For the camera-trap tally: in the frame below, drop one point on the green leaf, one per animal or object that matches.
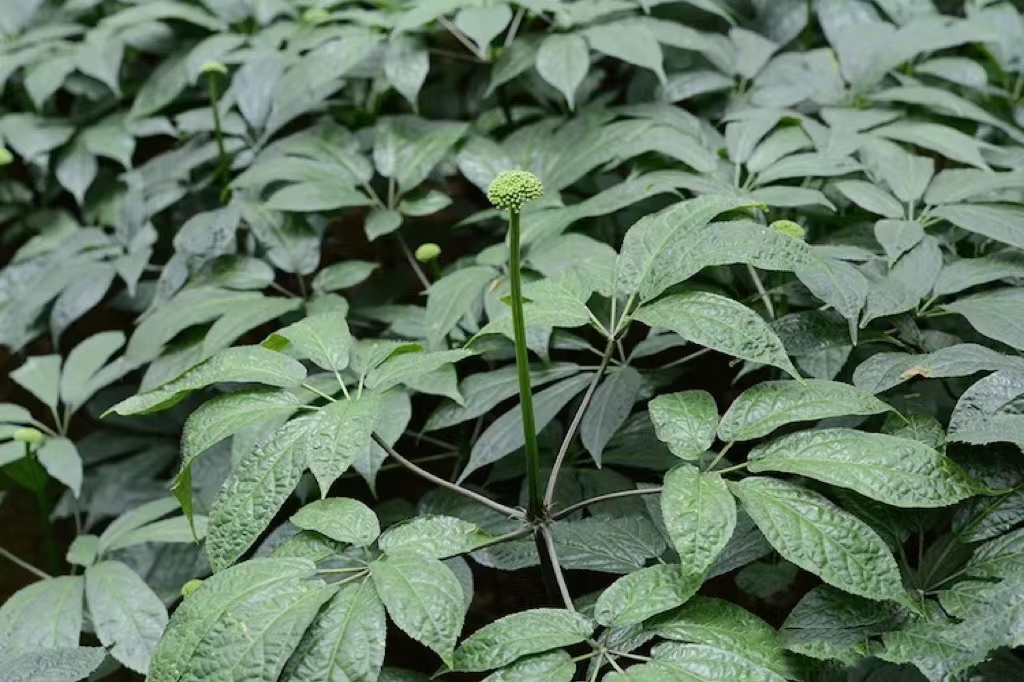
(483, 24)
(62, 664)
(696, 660)
(15, 414)
(765, 407)
(723, 625)
(250, 364)
(883, 371)
(556, 666)
(256, 633)
(685, 421)
(655, 246)
(699, 515)
(505, 434)
(81, 376)
(322, 339)
(607, 544)
(256, 490)
(135, 519)
(965, 273)
(898, 236)
(954, 185)
(944, 140)
(224, 416)
(410, 366)
(217, 605)
(437, 537)
(719, 323)
(610, 406)
(45, 615)
(830, 624)
(453, 297)
(638, 596)
(423, 598)
(998, 222)
(177, 529)
(345, 641)
(897, 471)
(406, 65)
(408, 148)
(484, 391)
(630, 41)
(382, 221)
(906, 174)
(871, 198)
(40, 376)
(320, 193)
(997, 314)
(339, 433)
(341, 519)
(60, 458)
(563, 61)
(987, 411)
(521, 634)
(816, 535)
(125, 612)
(343, 275)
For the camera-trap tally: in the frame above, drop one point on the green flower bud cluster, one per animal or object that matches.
(511, 190)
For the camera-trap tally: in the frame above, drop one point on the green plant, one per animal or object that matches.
(298, 361)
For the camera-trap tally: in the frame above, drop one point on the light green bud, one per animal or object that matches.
(28, 435)
(511, 190)
(5, 156)
(189, 588)
(789, 228)
(315, 15)
(213, 67)
(427, 252)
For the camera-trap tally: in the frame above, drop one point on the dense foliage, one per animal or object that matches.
(726, 384)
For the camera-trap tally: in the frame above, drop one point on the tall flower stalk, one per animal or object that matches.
(510, 191)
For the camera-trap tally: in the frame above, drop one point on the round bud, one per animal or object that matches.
(5, 156)
(427, 252)
(789, 228)
(28, 435)
(213, 67)
(315, 15)
(511, 190)
(189, 588)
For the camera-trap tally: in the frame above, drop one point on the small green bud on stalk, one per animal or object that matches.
(6, 158)
(789, 228)
(213, 67)
(28, 435)
(427, 252)
(189, 588)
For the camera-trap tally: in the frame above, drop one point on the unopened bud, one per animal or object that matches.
(427, 252)
(511, 190)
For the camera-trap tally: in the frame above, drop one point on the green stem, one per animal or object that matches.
(49, 541)
(535, 508)
(222, 157)
(24, 564)
(562, 513)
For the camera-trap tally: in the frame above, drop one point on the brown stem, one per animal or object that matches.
(437, 480)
